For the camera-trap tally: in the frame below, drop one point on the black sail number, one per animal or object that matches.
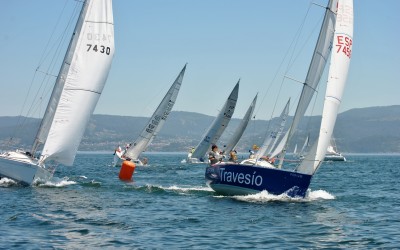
(98, 48)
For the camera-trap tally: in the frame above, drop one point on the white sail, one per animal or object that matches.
(316, 68)
(305, 145)
(157, 120)
(80, 82)
(274, 133)
(338, 70)
(241, 128)
(218, 126)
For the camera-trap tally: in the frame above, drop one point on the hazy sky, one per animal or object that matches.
(221, 40)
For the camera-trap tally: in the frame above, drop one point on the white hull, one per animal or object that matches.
(21, 168)
(117, 162)
(191, 160)
(334, 157)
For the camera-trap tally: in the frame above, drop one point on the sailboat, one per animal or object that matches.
(216, 129)
(240, 129)
(153, 126)
(77, 89)
(263, 155)
(243, 179)
(332, 153)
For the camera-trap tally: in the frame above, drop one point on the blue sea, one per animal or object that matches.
(350, 205)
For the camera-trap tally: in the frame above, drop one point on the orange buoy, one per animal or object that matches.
(127, 170)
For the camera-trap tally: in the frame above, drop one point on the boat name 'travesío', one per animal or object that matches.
(248, 179)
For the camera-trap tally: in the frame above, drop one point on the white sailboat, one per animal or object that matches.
(336, 36)
(152, 127)
(332, 153)
(234, 139)
(216, 129)
(263, 155)
(75, 94)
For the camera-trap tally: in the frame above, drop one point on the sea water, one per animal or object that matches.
(350, 205)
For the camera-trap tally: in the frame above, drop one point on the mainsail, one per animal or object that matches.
(216, 129)
(315, 70)
(79, 84)
(157, 120)
(241, 128)
(337, 76)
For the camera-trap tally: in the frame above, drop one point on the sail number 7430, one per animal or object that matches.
(100, 48)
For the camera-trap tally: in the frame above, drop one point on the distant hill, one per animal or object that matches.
(364, 130)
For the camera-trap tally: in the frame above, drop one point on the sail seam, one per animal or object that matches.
(88, 90)
(98, 22)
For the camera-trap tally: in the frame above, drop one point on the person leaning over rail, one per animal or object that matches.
(214, 156)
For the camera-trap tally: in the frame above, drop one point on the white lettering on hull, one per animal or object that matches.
(248, 179)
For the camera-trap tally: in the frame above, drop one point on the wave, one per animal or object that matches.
(174, 188)
(56, 182)
(264, 196)
(188, 189)
(5, 182)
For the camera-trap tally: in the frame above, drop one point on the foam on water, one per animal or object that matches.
(56, 182)
(188, 189)
(5, 182)
(264, 196)
(320, 195)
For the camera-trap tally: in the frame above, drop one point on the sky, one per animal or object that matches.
(221, 40)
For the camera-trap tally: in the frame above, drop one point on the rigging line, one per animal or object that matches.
(292, 45)
(62, 41)
(46, 79)
(44, 54)
(317, 25)
(312, 110)
(21, 124)
(292, 49)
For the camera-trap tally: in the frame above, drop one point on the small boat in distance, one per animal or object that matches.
(77, 89)
(153, 126)
(335, 37)
(332, 153)
(214, 132)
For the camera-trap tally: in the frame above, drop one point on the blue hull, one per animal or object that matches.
(240, 179)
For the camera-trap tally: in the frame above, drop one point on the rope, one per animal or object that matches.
(38, 99)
